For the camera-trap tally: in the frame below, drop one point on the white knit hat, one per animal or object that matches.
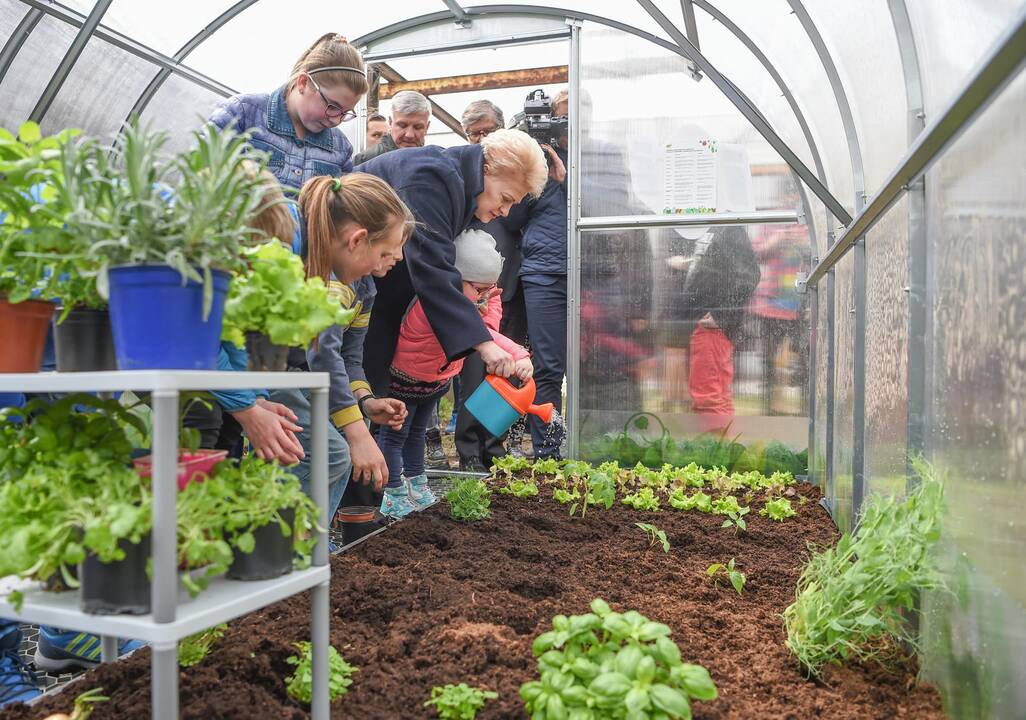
(476, 257)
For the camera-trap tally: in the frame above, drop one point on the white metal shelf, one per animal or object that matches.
(222, 601)
(158, 380)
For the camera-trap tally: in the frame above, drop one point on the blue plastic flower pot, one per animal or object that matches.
(158, 321)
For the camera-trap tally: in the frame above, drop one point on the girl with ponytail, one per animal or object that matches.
(350, 228)
(297, 124)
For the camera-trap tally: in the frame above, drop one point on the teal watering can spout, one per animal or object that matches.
(497, 404)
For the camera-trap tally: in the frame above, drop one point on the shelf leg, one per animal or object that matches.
(320, 617)
(108, 648)
(164, 681)
(165, 495)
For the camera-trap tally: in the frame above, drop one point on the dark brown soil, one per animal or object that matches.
(433, 601)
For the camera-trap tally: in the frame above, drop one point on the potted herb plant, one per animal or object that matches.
(28, 164)
(168, 247)
(273, 306)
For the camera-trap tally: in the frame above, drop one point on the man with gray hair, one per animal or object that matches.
(481, 118)
(408, 123)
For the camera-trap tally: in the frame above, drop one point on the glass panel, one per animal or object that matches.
(976, 224)
(179, 107)
(100, 91)
(844, 393)
(952, 36)
(887, 352)
(872, 80)
(32, 69)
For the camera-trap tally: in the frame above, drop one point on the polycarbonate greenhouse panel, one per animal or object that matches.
(476, 61)
(256, 51)
(179, 108)
(844, 392)
(974, 635)
(860, 37)
(822, 403)
(32, 69)
(162, 27)
(887, 305)
(617, 70)
(952, 36)
(99, 92)
(777, 32)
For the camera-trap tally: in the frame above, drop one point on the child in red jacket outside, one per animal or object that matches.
(421, 373)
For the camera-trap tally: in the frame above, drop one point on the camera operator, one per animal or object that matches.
(543, 265)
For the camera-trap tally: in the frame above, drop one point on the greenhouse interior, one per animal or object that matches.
(734, 349)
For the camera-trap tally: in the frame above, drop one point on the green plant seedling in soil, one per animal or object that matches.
(547, 468)
(508, 466)
(655, 535)
(299, 685)
(861, 591)
(698, 501)
(599, 489)
(469, 500)
(606, 664)
(737, 520)
(779, 509)
(736, 577)
(84, 706)
(726, 505)
(644, 499)
(520, 488)
(194, 648)
(459, 702)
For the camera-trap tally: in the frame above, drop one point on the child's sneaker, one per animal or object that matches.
(17, 681)
(420, 492)
(396, 502)
(61, 650)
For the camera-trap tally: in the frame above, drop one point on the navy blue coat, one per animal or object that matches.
(544, 243)
(440, 186)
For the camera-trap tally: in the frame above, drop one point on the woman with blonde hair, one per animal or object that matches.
(446, 189)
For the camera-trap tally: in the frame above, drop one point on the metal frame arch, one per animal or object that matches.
(13, 45)
(183, 52)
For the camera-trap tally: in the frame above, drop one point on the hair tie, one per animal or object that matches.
(341, 38)
(336, 184)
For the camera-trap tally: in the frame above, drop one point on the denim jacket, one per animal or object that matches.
(292, 161)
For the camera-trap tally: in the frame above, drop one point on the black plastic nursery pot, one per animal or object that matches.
(84, 342)
(118, 588)
(272, 554)
(358, 522)
(264, 355)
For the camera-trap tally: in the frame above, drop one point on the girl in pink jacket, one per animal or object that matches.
(421, 373)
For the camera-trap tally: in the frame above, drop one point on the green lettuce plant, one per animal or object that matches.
(459, 702)
(644, 499)
(469, 500)
(779, 509)
(299, 685)
(273, 296)
(606, 664)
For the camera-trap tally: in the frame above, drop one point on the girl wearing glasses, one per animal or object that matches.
(421, 372)
(297, 124)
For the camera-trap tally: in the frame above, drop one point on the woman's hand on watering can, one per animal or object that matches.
(497, 361)
(368, 462)
(386, 411)
(524, 369)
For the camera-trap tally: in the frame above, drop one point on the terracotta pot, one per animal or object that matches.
(23, 327)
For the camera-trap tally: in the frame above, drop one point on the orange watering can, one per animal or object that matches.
(497, 404)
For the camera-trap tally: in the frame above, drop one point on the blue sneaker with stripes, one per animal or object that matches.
(62, 650)
(17, 682)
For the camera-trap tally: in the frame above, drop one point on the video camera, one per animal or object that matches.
(537, 121)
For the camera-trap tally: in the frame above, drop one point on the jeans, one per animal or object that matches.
(545, 299)
(340, 465)
(404, 449)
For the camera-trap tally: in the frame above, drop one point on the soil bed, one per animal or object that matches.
(433, 601)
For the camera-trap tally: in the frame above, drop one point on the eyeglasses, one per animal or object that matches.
(481, 288)
(478, 134)
(332, 110)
